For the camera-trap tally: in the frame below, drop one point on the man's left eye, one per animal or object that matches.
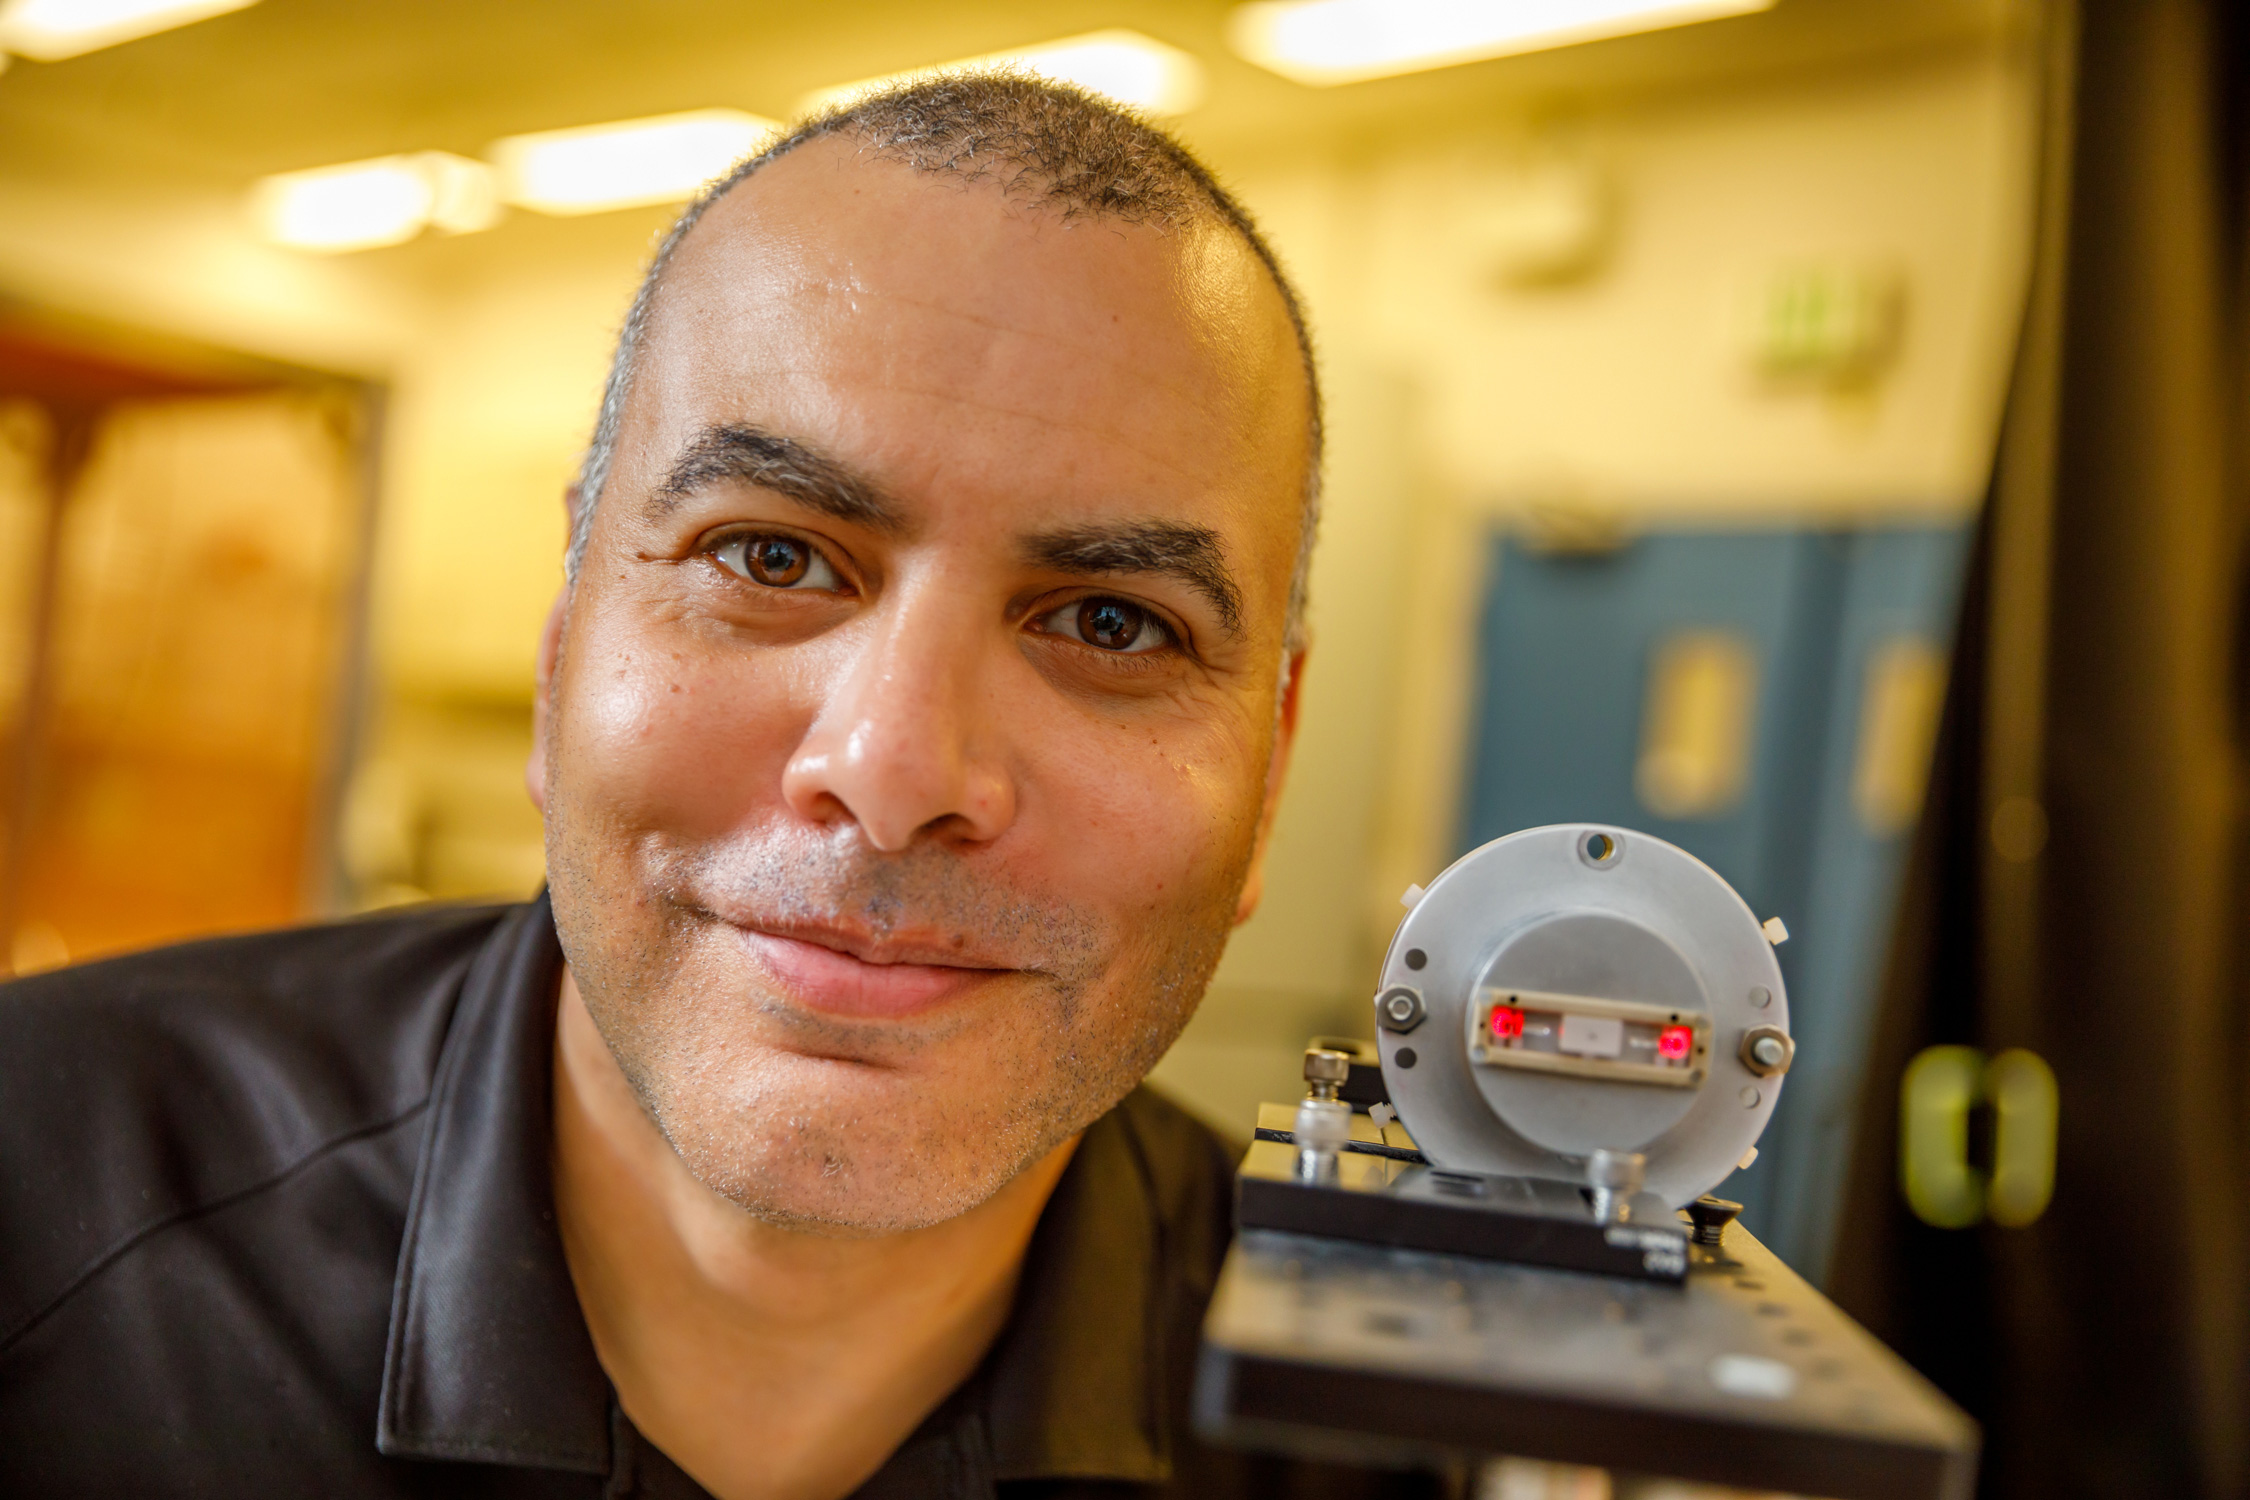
(1110, 624)
(778, 562)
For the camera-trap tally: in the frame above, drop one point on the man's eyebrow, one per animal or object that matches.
(751, 455)
(1192, 554)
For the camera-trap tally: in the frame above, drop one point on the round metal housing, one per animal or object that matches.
(1585, 988)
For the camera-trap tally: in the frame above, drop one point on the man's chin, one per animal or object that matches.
(837, 1146)
(871, 1185)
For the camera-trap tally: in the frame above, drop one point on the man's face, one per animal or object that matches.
(920, 703)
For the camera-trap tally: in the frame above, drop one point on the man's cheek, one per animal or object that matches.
(1152, 822)
(686, 745)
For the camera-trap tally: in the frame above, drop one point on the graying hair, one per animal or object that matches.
(1056, 146)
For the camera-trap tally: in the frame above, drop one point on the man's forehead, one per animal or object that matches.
(832, 232)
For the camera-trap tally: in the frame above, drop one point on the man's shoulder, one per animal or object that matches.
(349, 1013)
(1187, 1169)
(149, 1087)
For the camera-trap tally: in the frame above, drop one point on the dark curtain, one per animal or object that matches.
(2077, 885)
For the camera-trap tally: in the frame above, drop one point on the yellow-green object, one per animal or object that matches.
(2027, 1105)
(1941, 1086)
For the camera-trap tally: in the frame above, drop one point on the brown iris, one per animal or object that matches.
(1111, 624)
(776, 561)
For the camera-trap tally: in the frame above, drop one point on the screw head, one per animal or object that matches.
(1400, 1009)
(1767, 1050)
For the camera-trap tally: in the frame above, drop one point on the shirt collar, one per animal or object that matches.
(489, 1359)
(1075, 1384)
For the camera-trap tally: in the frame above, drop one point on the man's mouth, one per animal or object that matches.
(845, 974)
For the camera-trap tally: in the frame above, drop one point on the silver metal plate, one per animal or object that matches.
(1647, 924)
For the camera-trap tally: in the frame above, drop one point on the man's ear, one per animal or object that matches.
(1277, 771)
(550, 653)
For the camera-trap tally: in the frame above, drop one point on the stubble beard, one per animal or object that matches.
(843, 1126)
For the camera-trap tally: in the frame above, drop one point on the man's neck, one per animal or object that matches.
(769, 1363)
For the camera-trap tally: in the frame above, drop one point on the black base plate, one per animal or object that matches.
(1522, 1219)
(1742, 1376)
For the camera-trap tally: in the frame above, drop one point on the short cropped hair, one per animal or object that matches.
(1055, 146)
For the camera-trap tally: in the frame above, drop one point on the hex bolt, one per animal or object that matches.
(1400, 1009)
(1767, 1051)
(1325, 1071)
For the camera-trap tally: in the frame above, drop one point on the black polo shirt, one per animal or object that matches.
(276, 1218)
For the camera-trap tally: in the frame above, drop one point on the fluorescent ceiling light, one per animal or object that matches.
(662, 159)
(1126, 66)
(1323, 42)
(363, 204)
(53, 29)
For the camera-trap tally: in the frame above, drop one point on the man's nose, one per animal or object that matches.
(906, 742)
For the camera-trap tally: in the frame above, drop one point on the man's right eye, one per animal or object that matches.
(777, 562)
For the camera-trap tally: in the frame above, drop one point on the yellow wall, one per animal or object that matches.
(490, 409)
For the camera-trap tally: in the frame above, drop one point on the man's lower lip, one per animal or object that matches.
(826, 980)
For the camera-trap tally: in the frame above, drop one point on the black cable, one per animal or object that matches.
(1366, 1148)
